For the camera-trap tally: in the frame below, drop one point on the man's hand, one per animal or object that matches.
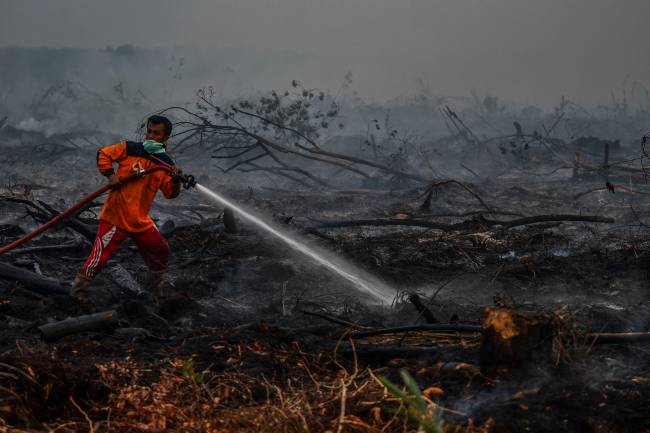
(176, 174)
(113, 179)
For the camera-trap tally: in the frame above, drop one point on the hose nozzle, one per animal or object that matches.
(188, 181)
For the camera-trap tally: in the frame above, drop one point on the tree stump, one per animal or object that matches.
(423, 310)
(516, 343)
(229, 221)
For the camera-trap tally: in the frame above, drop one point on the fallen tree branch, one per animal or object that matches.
(619, 337)
(45, 212)
(311, 151)
(463, 130)
(333, 319)
(72, 222)
(31, 280)
(597, 337)
(449, 327)
(551, 218)
(390, 352)
(611, 187)
(383, 222)
(589, 191)
(73, 244)
(468, 214)
(464, 224)
(462, 185)
(75, 325)
(613, 167)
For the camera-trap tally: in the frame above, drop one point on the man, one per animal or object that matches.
(125, 212)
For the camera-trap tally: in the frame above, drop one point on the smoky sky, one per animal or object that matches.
(525, 51)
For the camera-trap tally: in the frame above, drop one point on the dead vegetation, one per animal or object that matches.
(521, 299)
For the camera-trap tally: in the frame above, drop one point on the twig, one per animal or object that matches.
(470, 170)
(344, 393)
(461, 184)
(91, 426)
(621, 337)
(549, 218)
(333, 319)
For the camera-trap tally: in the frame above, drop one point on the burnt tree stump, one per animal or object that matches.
(423, 310)
(516, 343)
(229, 221)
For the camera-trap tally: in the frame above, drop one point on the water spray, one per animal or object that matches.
(366, 284)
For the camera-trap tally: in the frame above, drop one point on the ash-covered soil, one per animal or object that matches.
(238, 347)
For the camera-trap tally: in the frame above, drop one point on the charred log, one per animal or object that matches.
(464, 225)
(451, 327)
(229, 221)
(48, 248)
(75, 325)
(42, 212)
(423, 310)
(32, 280)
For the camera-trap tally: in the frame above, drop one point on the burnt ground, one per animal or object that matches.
(235, 351)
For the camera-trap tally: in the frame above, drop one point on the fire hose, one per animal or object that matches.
(186, 179)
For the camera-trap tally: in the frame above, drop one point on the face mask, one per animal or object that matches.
(152, 147)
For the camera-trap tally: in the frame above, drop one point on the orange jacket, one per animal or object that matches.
(127, 206)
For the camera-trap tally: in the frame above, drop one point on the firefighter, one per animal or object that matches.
(125, 211)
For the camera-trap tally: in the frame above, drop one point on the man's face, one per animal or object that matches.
(156, 132)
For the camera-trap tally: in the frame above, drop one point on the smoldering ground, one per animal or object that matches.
(516, 228)
(510, 196)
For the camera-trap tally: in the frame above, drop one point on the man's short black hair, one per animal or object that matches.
(161, 119)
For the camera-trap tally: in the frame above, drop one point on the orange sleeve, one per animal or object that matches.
(170, 188)
(106, 156)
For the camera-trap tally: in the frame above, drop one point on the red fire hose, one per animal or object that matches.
(79, 205)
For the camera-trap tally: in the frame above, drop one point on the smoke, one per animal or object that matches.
(530, 52)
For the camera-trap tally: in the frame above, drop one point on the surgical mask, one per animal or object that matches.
(152, 147)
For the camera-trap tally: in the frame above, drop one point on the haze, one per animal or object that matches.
(522, 51)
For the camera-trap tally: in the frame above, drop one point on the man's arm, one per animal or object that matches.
(171, 185)
(106, 156)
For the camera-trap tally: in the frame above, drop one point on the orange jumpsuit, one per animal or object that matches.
(125, 211)
(127, 207)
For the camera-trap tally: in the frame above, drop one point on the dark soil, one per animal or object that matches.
(237, 314)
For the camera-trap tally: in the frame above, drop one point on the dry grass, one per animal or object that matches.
(297, 392)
